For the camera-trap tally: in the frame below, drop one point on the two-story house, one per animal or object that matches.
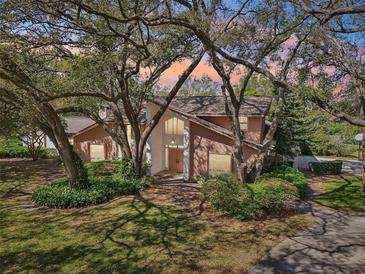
(193, 137)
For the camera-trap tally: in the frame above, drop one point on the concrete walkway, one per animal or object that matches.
(335, 245)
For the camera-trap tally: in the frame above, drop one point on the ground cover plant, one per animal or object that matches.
(106, 179)
(248, 201)
(130, 234)
(342, 194)
(101, 189)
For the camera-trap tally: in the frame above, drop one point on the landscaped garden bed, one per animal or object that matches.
(107, 179)
(271, 194)
(134, 234)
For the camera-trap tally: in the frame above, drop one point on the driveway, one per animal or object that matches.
(335, 245)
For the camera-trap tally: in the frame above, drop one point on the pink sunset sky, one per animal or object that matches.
(170, 76)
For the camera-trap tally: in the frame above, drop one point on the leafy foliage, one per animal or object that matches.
(60, 195)
(15, 149)
(289, 174)
(124, 168)
(243, 201)
(327, 168)
(304, 129)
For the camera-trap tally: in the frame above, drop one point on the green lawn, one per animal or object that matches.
(126, 235)
(344, 194)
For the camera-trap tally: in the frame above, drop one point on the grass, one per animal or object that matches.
(344, 194)
(127, 235)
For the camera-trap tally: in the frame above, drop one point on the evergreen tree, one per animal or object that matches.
(295, 128)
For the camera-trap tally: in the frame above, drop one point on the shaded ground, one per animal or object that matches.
(342, 194)
(337, 244)
(156, 232)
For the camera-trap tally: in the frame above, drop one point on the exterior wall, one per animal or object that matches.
(155, 149)
(204, 141)
(156, 154)
(94, 136)
(255, 126)
(222, 121)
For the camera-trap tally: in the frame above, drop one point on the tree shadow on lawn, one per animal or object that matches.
(344, 194)
(128, 235)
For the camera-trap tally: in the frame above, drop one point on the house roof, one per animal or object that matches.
(76, 124)
(215, 105)
(200, 121)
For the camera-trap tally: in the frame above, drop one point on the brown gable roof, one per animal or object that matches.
(76, 124)
(214, 105)
(196, 119)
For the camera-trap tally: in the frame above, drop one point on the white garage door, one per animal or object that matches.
(97, 152)
(219, 163)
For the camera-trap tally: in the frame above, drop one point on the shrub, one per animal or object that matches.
(124, 168)
(245, 201)
(289, 174)
(15, 149)
(60, 195)
(103, 168)
(327, 168)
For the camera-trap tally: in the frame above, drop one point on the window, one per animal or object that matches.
(219, 163)
(174, 126)
(243, 122)
(97, 152)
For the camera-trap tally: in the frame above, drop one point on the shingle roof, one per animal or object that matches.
(200, 121)
(214, 105)
(76, 124)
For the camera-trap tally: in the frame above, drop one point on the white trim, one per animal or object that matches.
(186, 150)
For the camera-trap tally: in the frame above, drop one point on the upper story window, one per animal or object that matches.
(243, 122)
(174, 126)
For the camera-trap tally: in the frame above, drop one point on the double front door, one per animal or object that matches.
(176, 159)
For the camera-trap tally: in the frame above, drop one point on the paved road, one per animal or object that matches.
(336, 245)
(352, 166)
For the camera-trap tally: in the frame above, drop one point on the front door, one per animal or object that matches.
(176, 158)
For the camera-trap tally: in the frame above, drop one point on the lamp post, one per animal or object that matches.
(359, 138)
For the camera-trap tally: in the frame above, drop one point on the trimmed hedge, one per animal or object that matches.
(60, 195)
(289, 174)
(327, 168)
(247, 201)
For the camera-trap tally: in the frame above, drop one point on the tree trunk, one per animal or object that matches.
(362, 101)
(257, 166)
(138, 150)
(76, 173)
(363, 160)
(238, 147)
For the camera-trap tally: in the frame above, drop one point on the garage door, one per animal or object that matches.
(219, 163)
(97, 152)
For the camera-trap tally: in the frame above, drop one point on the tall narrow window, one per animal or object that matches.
(243, 122)
(174, 126)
